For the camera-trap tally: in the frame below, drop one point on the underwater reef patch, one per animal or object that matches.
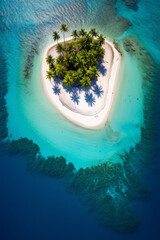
(118, 46)
(109, 2)
(107, 189)
(30, 59)
(107, 20)
(132, 4)
(3, 92)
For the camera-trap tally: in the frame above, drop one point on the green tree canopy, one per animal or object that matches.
(75, 34)
(64, 28)
(85, 42)
(85, 82)
(52, 67)
(56, 36)
(60, 59)
(93, 32)
(82, 32)
(77, 61)
(50, 59)
(59, 48)
(50, 74)
(60, 70)
(93, 72)
(69, 48)
(101, 39)
(68, 79)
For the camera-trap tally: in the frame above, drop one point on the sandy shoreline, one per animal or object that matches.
(94, 117)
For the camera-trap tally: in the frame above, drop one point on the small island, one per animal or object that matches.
(79, 76)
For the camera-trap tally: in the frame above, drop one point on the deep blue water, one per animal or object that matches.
(37, 207)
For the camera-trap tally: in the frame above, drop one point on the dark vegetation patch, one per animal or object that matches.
(107, 189)
(117, 46)
(109, 2)
(148, 146)
(132, 4)
(132, 46)
(53, 167)
(34, 50)
(93, 184)
(107, 20)
(3, 92)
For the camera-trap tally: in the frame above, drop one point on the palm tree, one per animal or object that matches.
(60, 60)
(50, 74)
(100, 52)
(82, 32)
(50, 59)
(64, 28)
(78, 62)
(69, 48)
(82, 44)
(101, 39)
(93, 33)
(91, 59)
(93, 72)
(56, 36)
(52, 67)
(68, 80)
(59, 48)
(60, 70)
(75, 76)
(85, 82)
(82, 71)
(75, 34)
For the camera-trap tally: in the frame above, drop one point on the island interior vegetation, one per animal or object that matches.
(78, 59)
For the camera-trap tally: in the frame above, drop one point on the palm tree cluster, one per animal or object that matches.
(78, 60)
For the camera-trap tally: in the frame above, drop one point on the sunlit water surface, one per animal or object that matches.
(26, 29)
(32, 116)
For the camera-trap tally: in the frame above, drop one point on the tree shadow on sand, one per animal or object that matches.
(74, 91)
(75, 97)
(56, 90)
(57, 81)
(102, 68)
(90, 99)
(98, 90)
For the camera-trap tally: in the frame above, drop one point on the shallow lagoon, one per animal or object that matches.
(39, 121)
(23, 32)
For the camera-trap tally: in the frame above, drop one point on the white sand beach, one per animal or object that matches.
(82, 114)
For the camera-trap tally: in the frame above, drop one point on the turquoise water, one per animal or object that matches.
(26, 29)
(145, 24)
(37, 120)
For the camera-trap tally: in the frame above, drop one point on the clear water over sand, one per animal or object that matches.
(27, 27)
(36, 119)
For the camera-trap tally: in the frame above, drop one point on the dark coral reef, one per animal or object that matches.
(107, 20)
(132, 4)
(3, 92)
(108, 189)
